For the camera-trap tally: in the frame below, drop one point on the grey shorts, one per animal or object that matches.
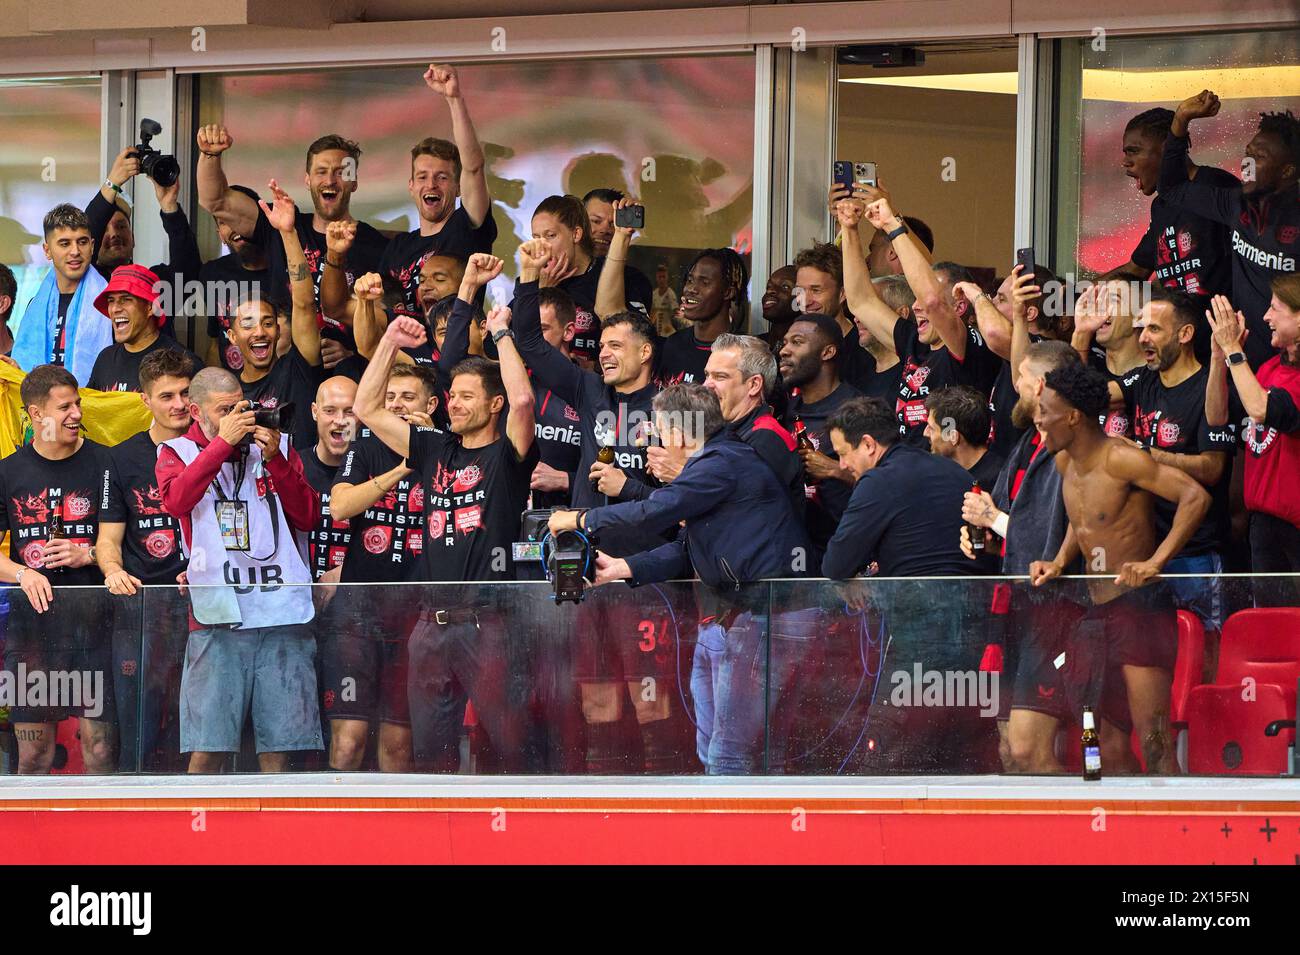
(272, 669)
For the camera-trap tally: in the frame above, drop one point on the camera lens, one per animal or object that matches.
(164, 170)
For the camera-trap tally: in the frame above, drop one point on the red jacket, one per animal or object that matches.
(183, 487)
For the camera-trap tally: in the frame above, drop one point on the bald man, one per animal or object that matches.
(336, 426)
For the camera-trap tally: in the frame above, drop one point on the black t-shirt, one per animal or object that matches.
(558, 431)
(474, 498)
(927, 370)
(986, 470)
(1117, 423)
(61, 328)
(387, 538)
(582, 289)
(1003, 435)
(364, 256)
(117, 369)
(33, 487)
(682, 358)
(827, 498)
(1185, 250)
(290, 379)
(226, 282)
(404, 257)
(1173, 420)
(151, 541)
(857, 366)
(882, 384)
(328, 543)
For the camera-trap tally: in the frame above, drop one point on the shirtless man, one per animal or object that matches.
(1110, 485)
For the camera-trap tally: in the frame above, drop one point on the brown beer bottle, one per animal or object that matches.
(1091, 744)
(605, 456)
(801, 435)
(978, 535)
(56, 531)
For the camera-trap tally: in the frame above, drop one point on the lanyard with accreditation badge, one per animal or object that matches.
(232, 513)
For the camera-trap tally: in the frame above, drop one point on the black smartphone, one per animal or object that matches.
(630, 217)
(1025, 259)
(865, 173)
(843, 173)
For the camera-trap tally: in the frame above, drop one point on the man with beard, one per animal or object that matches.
(778, 300)
(937, 349)
(1262, 212)
(1120, 658)
(441, 172)
(809, 365)
(267, 379)
(1165, 400)
(139, 543)
(376, 494)
(331, 178)
(131, 302)
(228, 280)
(1026, 511)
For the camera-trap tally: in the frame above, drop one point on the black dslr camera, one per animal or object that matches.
(279, 418)
(162, 169)
(568, 558)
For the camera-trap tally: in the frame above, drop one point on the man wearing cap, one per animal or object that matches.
(130, 300)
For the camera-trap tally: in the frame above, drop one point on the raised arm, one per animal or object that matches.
(859, 290)
(215, 195)
(1023, 288)
(993, 325)
(519, 390)
(480, 269)
(402, 332)
(283, 216)
(474, 195)
(1218, 203)
(369, 320)
(611, 291)
(334, 291)
(552, 369)
(1229, 336)
(920, 276)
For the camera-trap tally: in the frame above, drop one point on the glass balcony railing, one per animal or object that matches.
(794, 677)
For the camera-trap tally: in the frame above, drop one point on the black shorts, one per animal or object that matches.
(1041, 629)
(362, 636)
(64, 676)
(627, 634)
(1140, 629)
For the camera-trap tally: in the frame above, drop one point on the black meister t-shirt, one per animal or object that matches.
(1187, 251)
(474, 499)
(290, 379)
(387, 538)
(117, 369)
(328, 543)
(151, 542)
(405, 254)
(927, 370)
(682, 358)
(1173, 420)
(32, 487)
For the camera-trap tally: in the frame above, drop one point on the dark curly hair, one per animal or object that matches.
(1080, 387)
(1286, 128)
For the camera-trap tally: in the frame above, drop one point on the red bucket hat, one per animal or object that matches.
(138, 281)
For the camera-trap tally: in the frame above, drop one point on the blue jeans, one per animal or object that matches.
(736, 689)
(1203, 596)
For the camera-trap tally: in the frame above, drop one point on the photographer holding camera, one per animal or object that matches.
(270, 380)
(109, 216)
(245, 509)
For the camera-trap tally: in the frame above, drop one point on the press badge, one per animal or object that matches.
(232, 520)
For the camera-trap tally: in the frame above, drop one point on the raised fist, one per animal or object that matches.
(443, 79)
(405, 332)
(369, 287)
(213, 140)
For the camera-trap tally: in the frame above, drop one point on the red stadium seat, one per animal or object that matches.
(1259, 663)
(1187, 669)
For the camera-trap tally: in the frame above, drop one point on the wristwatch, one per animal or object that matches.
(1236, 358)
(502, 333)
(112, 185)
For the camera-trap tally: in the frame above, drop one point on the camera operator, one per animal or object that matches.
(139, 543)
(245, 512)
(475, 486)
(109, 217)
(267, 379)
(364, 631)
(739, 528)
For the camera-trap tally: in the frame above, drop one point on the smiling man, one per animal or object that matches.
(130, 300)
(714, 289)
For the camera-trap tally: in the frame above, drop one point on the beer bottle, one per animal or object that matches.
(1091, 747)
(605, 456)
(978, 535)
(56, 530)
(801, 435)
